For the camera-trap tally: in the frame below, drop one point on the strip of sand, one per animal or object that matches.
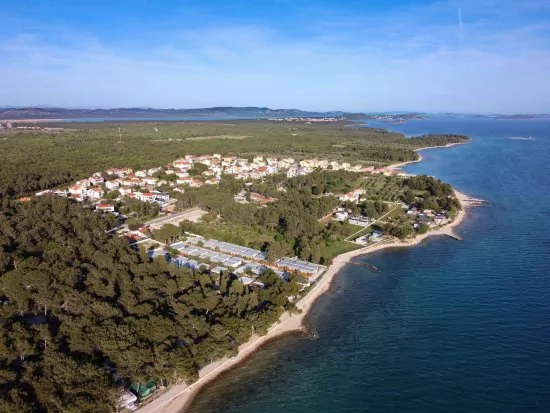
(401, 164)
(179, 397)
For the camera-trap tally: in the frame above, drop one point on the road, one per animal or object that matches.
(193, 214)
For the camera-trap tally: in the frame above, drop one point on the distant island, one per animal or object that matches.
(248, 112)
(252, 112)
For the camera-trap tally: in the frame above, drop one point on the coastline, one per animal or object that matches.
(178, 398)
(397, 166)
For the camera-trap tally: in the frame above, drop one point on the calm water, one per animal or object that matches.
(448, 326)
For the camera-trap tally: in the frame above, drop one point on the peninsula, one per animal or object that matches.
(171, 251)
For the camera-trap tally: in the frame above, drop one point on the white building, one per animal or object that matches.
(112, 185)
(360, 221)
(95, 193)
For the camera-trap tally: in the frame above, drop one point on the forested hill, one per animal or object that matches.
(83, 314)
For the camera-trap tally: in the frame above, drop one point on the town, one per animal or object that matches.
(193, 172)
(115, 186)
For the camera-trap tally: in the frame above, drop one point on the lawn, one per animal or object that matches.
(247, 236)
(365, 231)
(331, 251)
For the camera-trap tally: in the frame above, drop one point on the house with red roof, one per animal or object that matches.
(77, 190)
(105, 208)
(95, 193)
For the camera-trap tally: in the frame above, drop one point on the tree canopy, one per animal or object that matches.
(83, 313)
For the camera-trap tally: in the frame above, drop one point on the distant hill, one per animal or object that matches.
(215, 112)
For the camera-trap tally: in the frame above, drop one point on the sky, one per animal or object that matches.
(470, 56)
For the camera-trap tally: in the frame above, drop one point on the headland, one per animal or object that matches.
(179, 397)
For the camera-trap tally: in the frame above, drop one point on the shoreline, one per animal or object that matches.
(397, 166)
(179, 397)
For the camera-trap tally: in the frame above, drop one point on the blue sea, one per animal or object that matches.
(447, 326)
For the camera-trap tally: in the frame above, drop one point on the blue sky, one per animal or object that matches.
(355, 55)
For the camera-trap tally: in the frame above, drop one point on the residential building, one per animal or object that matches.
(105, 208)
(150, 180)
(96, 180)
(77, 190)
(341, 216)
(184, 181)
(95, 193)
(112, 185)
(293, 171)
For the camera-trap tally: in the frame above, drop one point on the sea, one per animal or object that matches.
(446, 326)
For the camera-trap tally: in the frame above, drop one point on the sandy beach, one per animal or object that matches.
(179, 397)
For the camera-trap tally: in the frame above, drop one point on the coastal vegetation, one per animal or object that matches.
(38, 160)
(84, 314)
(292, 224)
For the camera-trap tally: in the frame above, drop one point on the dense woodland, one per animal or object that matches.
(37, 160)
(83, 313)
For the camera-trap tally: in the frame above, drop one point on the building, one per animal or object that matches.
(105, 208)
(184, 181)
(96, 179)
(150, 180)
(60, 192)
(294, 264)
(352, 196)
(132, 181)
(360, 220)
(260, 199)
(112, 185)
(364, 240)
(77, 190)
(182, 164)
(376, 236)
(293, 171)
(95, 193)
(161, 197)
(195, 183)
(341, 216)
(120, 172)
(127, 401)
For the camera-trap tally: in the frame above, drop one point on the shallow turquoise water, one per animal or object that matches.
(448, 326)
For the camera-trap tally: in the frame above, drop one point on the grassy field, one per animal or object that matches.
(364, 231)
(222, 230)
(333, 250)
